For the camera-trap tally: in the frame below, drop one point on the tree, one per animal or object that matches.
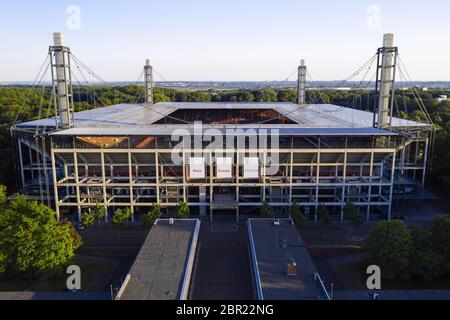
(287, 95)
(297, 215)
(389, 246)
(266, 95)
(324, 215)
(87, 219)
(31, 240)
(3, 262)
(182, 210)
(441, 238)
(246, 97)
(121, 217)
(180, 96)
(352, 211)
(77, 240)
(424, 260)
(2, 195)
(266, 210)
(99, 212)
(150, 217)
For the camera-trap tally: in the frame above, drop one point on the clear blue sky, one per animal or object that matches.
(226, 40)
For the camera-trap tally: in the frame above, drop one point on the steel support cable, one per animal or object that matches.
(159, 75)
(368, 64)
(92, 73)
(49, 107)
(405, 106)
(291, 112)
(370, 61)
(318, 90)
(87, 91)
(138, 93)
(359, 85)
(419, 102)
(160, 113)
(168, 115)
(80, 86)
(40, 105)
(34, 84)
(286, 80)
(163, 114)
(414, 90)
(405, 76)
(43, 151)
(88, 85)
(36, 136)
(97, 77)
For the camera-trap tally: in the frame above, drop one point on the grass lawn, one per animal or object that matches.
(95, 275)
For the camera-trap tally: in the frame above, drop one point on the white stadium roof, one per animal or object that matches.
(134, 119)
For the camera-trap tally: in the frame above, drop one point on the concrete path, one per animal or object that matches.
(222, 270)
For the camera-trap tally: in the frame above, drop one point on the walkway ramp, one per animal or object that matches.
(162, 270)
(275, 243)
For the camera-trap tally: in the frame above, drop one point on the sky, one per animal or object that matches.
(218, 40)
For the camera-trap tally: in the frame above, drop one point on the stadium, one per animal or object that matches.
(223, 159)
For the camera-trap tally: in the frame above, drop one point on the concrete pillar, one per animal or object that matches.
(148, 70)
(301, 89)
(61, 78)
(387, 81)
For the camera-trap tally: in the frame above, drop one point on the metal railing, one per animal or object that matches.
(259, 291)
(322, 286)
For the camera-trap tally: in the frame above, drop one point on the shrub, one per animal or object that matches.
(389, 246)
(121, 217)
(87, 219)
(266, 210)
(150, 217)
(99, 212)
(425, 261)
(182, 210)
(297, 215)
(352, 211)
(324, 215)
(441, 238)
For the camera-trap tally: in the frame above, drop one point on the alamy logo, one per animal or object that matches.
(373, 21)
(374, 280)
(74, 280)
(73, 21)
(224, 143)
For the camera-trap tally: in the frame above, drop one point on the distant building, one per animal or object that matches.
(442, 98)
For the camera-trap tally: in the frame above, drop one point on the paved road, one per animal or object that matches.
(222, 270)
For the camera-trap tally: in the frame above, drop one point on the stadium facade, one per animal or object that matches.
(222, 158)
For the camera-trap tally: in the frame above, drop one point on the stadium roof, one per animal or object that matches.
(311, 119)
